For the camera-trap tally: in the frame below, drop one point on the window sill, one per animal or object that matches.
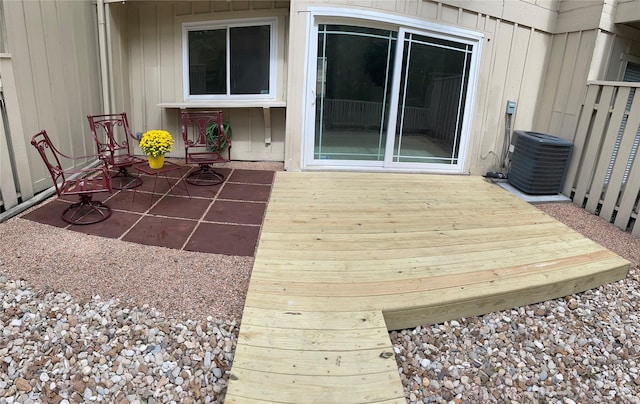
(225, 104)
(266, 106)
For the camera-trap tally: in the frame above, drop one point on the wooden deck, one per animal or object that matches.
(345, 257)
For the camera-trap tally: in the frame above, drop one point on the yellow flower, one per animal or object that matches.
(155, 143)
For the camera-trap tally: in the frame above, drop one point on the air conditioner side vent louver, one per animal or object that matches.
(538, 162)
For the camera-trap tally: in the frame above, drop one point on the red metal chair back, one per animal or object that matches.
(49, 154)
(80, 182)
(112, 134)
(200, 148)
(205, 142)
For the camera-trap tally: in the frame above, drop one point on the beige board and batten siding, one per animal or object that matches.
(512, 67)
(50, 79)
(587, 45)
(151, 66)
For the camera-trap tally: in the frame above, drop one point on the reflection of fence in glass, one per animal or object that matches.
(439, 120)
(444, 100)
(354, 114)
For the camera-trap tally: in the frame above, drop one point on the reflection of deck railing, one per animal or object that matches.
(368, 115)
(602, 176)
(440, 120)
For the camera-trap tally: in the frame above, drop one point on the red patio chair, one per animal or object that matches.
(82, 182)
(111, 133)
(205, 143)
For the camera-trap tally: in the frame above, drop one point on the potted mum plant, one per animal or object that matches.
(155, 144)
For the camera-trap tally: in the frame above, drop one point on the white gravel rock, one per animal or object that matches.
(57, 350)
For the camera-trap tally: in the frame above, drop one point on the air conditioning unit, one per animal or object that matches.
(538, 162)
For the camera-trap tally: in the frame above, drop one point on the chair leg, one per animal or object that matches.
(124, 180)
(205, 175)
(87, 211)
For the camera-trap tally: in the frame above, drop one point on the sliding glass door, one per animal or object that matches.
(353, 87)
(390, 98)
(431, 88)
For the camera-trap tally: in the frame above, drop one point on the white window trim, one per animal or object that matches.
(326, 15)
(219, 24)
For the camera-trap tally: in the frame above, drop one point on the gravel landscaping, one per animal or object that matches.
(86, 319)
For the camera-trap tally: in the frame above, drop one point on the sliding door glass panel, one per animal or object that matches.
(353, 85)
(433, 87)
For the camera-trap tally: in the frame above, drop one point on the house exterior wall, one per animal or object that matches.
(146, 52)
(49, 72)
(514, 56)
(587, 45)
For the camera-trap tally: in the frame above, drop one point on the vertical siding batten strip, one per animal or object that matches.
(19, 144)
(578, 78)
(8, 187)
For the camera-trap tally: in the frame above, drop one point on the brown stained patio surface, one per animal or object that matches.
(220, 219)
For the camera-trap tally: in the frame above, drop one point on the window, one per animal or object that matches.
(229, 59)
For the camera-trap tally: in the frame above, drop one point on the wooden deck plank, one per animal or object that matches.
(394, 286)
(437, 265)
(313, 338)
(344, 257)
(504, 298)
(395, 250)
(589, 273)
(296, 388)
(298, 357)
(433, 238)
(330, 321)
(233, 399)
(315, 363)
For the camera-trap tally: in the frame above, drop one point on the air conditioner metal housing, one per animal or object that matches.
(539, 162)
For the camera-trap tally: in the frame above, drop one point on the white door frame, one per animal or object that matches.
(402, 25)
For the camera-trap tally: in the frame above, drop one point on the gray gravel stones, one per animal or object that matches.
(55, 350)
(581, 349)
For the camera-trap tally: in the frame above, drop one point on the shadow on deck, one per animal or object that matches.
(345, 257)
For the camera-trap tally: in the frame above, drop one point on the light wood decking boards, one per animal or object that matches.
(344, 257)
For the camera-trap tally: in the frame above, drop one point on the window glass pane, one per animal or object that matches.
(353, 89)
(431, 104)
(250, 59)
(207, 62)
